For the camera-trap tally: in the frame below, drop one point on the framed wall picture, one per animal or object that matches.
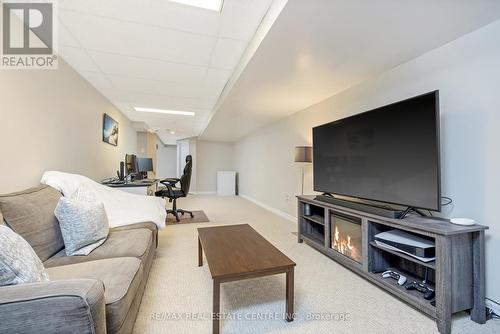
(109, 130)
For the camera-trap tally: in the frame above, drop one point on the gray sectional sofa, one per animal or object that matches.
(99, 293)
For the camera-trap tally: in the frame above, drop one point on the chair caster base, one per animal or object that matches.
(182, 212)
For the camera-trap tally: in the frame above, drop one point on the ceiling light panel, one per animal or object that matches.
(215, 5)
(164, 111)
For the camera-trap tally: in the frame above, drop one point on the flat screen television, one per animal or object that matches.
(389, 154)
(145, 165)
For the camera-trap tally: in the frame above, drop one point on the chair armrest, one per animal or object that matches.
(169, 183)
(172, 181)
(66, 306)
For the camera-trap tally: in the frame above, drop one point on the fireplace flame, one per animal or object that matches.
(351, 247)
(344, 245)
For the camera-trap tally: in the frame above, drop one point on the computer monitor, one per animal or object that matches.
(145, 164)
(131, 164)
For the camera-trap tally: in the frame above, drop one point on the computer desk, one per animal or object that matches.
(142, 187)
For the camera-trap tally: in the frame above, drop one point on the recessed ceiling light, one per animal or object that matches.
(163, 111)
(215, 5)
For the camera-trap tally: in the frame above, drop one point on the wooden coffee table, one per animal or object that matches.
(237, 252)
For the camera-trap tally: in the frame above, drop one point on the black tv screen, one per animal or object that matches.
(389, 154)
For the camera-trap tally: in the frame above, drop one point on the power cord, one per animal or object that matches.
(490, 314)
(448, 200)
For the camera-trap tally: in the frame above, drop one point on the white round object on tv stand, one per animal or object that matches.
(462, 221)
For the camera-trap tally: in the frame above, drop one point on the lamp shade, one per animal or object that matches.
(303, 154)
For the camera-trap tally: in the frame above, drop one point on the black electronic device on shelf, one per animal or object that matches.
(422, 287)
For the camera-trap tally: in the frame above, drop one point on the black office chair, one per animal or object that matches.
(173, 193)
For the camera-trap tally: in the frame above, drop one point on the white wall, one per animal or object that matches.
(52, 120)
(166, 165)
(467, 73)
(208, 158)
(212, 157)
(142, 144)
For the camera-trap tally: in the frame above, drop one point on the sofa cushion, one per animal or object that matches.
(121, 277)
(127, 243)
(149, 225)
(18, 261)
(30, 213)
(84, 225)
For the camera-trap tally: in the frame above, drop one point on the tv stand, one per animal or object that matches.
(456, 275)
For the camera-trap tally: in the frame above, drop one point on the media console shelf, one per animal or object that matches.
(457, 275)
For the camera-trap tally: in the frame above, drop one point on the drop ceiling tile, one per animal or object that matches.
(109, 35)
(89, 6)
(177, 16)
(162, 13)
(214, 82)
(123, 106)
(153, 100)
(98, 80)
(242, 18)
(134, 85)
(175, 123)
(148, 68)
(227, 53)
(78, 59)
(65, 37)
(206, 103)
(158, 54)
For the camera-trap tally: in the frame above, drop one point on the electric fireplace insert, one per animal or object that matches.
(346, 235)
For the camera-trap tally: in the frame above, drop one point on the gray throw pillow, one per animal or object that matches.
(18, 261)
(84, 225)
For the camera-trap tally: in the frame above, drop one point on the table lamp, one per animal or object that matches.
(303, 154)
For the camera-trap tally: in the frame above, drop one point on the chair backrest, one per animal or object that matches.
(186, 175)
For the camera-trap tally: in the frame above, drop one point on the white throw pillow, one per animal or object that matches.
(18, 261)
(84, 224)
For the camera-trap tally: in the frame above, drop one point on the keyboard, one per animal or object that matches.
(110, 181)
(147, 180)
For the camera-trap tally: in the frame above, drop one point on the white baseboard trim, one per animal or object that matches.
(203, 192)
(270, 208)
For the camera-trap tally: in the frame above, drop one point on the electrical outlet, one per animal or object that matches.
(287, 198)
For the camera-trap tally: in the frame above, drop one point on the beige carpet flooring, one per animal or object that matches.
(178, 296)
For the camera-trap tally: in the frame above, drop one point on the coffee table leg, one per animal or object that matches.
(216, 307)
(200, 254)
(289, 295)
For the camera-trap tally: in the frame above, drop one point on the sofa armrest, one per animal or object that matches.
(66, 306)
